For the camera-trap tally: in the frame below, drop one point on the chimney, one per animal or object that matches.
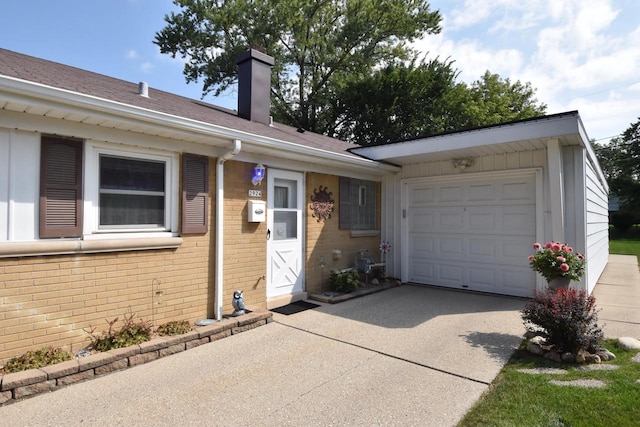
(254, 86)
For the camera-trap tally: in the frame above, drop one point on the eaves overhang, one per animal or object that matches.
(43, 100)
(512, 137)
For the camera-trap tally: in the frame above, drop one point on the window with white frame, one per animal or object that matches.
(91, 189)
(129, 190)
(132, 192)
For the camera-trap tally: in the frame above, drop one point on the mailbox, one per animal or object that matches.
(257, 211)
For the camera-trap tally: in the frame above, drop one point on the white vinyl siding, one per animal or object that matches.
(597, 227)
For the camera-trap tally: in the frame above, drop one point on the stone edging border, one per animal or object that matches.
(15, 386)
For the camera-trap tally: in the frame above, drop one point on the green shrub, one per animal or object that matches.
(343, 281)
(623, 220)
(37, 359)
(175, 327)
(130, 333)
(568, 319)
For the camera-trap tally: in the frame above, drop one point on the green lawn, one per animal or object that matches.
(518, 399)
(627, 243)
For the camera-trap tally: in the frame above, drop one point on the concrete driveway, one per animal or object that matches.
(406, 356)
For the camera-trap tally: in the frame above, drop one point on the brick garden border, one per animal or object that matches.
(15, 386)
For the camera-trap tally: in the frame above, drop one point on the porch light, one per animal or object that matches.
(462, 163)
(258, 174)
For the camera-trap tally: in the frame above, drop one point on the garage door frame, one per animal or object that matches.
(537, 173)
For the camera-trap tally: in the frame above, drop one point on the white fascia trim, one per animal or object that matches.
(565, 125)
(591, 155)
(164, 120)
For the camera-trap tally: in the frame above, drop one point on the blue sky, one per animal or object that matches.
(579, 54)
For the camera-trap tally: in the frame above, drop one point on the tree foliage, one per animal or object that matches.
(620, 161)
(404, 101)
(316, 45)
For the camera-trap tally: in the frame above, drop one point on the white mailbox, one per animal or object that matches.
(257, 211)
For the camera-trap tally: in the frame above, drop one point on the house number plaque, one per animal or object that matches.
(255, 193)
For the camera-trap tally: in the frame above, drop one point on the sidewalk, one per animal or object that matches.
(618, 297)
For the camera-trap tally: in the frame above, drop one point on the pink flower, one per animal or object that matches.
(548, 245)
(530, 258)
(556, 247)
(569, 249)
(564, 267)
(561, 259)
(537, 246)
(580, 257)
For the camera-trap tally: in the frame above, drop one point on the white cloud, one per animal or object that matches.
(132, 54)
(146, 67)
(578, 54)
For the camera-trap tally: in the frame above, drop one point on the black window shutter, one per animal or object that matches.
(345, 204)
(60, 187)
(195, 194)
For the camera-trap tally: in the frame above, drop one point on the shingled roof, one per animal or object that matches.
(60, 76)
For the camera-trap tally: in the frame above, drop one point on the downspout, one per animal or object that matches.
(237, 145)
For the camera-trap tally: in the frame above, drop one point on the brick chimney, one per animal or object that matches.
(254, 86)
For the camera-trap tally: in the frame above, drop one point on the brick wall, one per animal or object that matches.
(49, 300)
(245, 245)
(323, 237)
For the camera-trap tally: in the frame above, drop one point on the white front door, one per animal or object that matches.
(285, 263)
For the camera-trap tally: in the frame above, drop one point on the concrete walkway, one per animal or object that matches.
(618, 297)
(407, 356)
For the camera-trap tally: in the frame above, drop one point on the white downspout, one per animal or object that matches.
(237, 145)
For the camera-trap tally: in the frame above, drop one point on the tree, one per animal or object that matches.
(620, 161)
(316, 45)
(400, 101)
(405, 101)
(495, 100)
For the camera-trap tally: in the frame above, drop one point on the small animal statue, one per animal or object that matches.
(238, 304)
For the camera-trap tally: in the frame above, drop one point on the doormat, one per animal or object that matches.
(295, 307)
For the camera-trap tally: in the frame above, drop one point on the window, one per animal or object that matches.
(132, 193)
(357, 204)
(92, 190)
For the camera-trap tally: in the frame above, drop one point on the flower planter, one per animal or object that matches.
(559, 283)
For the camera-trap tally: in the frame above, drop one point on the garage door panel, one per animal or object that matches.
(451, 194)
(519, 219)
(420, 219)
(521, 190)
(475, 234)
(481, 192)
(481, 219)
(450, 247)
(453, 219)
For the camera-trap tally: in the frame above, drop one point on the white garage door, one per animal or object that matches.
(473, 234)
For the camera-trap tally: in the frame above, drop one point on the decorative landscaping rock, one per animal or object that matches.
(605, 355)
(553, 356)
(629, 343)
(592, 358)
(537, 345)
(636, 358)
